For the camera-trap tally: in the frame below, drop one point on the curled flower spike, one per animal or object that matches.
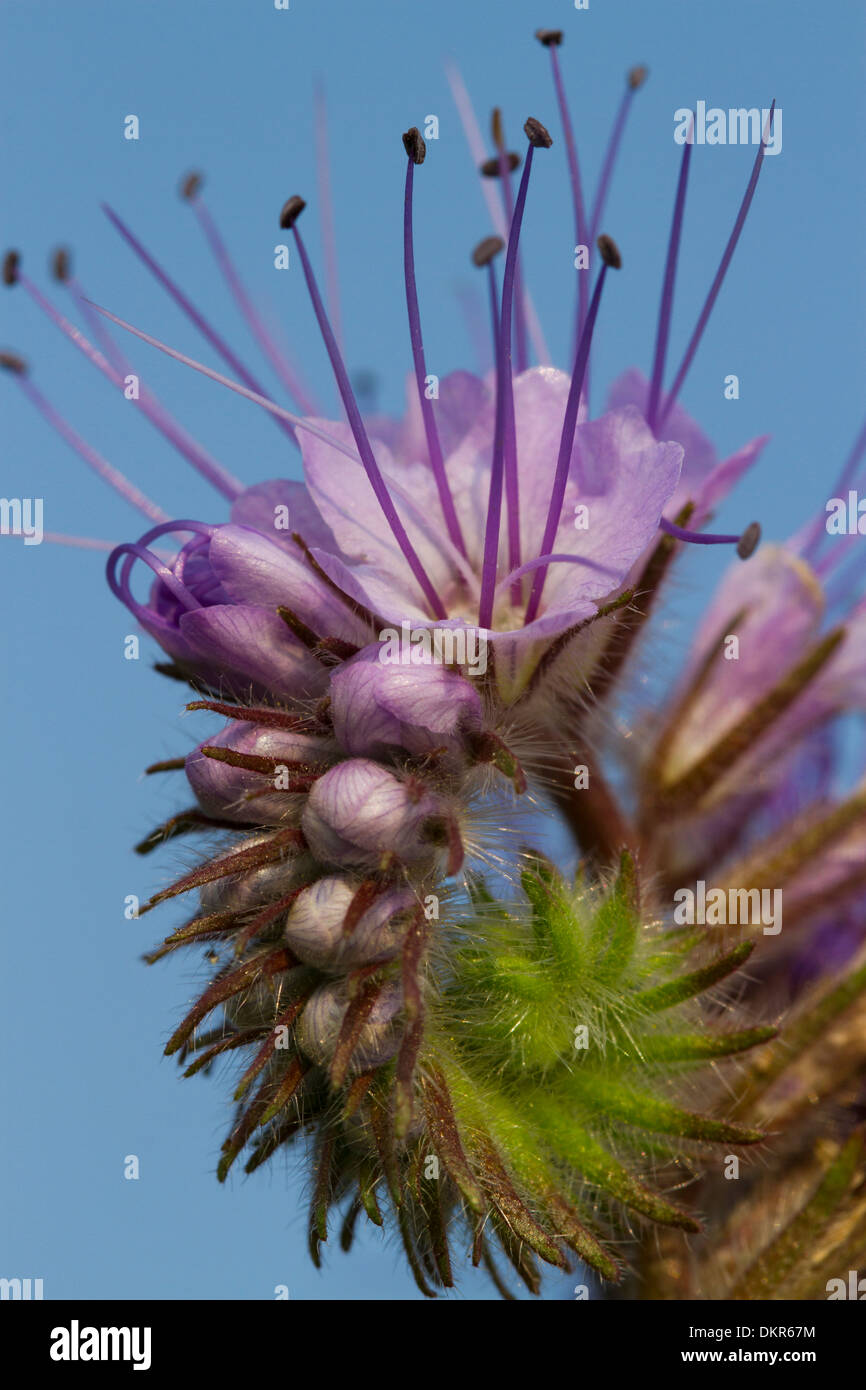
(408, 660)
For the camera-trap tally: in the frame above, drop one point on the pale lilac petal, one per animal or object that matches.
(257, 507)
(344, 496)
(253, 651)
(699, 454)
(256, 570)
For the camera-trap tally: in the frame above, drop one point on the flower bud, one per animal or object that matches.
(319, 1027)
(379, 706)
(315, 925)
(255, 887)
(229, 791)
(359, 814)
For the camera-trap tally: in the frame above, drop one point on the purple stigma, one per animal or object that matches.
(611, 259)
(140, 551)
(703, 318)
(416, 150)
(290, 214)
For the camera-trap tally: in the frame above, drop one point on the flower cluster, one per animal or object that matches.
(480, 1041)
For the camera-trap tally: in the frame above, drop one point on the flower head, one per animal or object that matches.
(417, 652)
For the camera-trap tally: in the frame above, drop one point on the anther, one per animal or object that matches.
(413, 144)
(609, 252)
(491, 169)
(487, 250)
(190, 186)
(11, 362)
(637, 76)
(61, 265)
(551, 38)
(749, 540)
(537, 135)
(292, 209)
(11, 262)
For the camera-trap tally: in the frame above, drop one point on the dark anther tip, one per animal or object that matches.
(637, 76)
(11, 362)
(609, 252)
(413, 144)
(490, 167)
(551, 38)
(292, 209)
(497, 129)
(11, 262)
(190, 186)
(61, 265)
(487, 249)
(749, 540)
(537, 134)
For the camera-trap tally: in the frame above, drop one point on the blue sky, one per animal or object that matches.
(227, 87)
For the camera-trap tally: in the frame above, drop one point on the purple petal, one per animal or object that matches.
(253, 652)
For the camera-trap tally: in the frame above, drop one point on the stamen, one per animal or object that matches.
(635, 79)
(720, 273)
(484, 254)
(189, 309)
(190, 191)
(476, 148)
(506, 168)
(492, 167)
(505, 444)
(667, 299)
(61, 266)
(416, 150)
(291, 212)
(746, 543)
(218, 476)
(551, 39)
(109, 474)
(611, 259)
